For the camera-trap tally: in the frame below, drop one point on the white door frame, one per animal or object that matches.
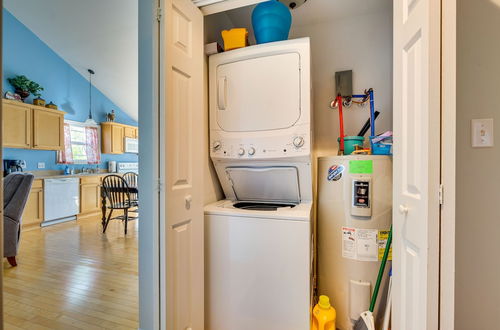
(448, 162)
(151, 294)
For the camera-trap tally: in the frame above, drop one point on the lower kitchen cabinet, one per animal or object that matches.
(33, 212)
(90, 195)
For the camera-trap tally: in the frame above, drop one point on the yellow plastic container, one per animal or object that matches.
(235, 38)
(324, 315)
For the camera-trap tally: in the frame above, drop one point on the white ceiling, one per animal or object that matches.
(97, 34)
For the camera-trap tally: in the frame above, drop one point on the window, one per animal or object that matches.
(81, 144)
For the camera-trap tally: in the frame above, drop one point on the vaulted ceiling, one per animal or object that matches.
(97, 34)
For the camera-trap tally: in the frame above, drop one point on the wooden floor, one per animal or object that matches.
(71, 276)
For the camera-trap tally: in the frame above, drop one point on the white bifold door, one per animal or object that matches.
(184, 143)
(417, 109)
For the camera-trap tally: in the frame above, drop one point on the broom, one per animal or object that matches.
(365, 321)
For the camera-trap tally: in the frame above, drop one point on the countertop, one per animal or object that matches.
(42, 176)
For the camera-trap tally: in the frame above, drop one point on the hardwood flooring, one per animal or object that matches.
(71, 276)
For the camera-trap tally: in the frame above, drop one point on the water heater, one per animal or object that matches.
(354, 217)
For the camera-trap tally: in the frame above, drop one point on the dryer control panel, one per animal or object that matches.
(294, 145)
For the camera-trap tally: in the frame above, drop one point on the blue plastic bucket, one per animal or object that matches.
(271, 21)
(350, 143)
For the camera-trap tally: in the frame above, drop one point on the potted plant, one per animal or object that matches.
(24, 87)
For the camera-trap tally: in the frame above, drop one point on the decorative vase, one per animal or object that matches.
(39, 101)
(22, 94)
(51, 106)
(271, 21)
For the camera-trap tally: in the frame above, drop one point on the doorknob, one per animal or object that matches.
(403, 209)
(188, 199)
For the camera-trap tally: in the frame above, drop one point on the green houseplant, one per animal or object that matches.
(24, 87)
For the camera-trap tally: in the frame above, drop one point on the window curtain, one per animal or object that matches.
(65, 156)
(93, 150)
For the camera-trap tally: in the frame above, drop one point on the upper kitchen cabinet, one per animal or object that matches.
(131, 132)
(16, 125)
(113, 137)
(48, 129)
(29, 126)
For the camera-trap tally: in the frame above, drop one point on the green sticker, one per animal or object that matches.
(361, 166)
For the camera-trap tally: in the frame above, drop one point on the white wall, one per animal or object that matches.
(477, 284)
(361, 43)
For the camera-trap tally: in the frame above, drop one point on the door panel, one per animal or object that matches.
(184, 143)
(117, 139)
(259, 94)
(416, 163)
(16, 123)
(47, 130)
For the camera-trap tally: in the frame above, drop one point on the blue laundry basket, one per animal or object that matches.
(271, 21)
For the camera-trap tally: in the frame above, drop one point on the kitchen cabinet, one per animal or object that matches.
(29, 126)
(129, 132)
(90, 195)
(16, 125)
(33, 212)
(113, 136)
(48, 129)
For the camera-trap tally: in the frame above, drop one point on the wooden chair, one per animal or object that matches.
(132, 180)
(118, 195)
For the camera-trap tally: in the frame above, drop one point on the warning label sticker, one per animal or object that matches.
(383, 235)
(349, 243)
(364, 244)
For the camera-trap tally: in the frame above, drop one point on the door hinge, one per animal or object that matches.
(441, 192)
(159, 13)
(159, 185)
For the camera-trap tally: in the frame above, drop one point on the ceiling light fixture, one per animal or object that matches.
(90, 121)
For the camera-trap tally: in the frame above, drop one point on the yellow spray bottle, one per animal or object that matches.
(324, 315)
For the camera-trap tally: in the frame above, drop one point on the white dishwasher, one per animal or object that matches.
(61, 200)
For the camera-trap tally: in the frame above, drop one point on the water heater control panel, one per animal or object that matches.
(361, 197)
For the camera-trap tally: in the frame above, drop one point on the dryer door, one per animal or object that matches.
(259, 94)
(265, 184)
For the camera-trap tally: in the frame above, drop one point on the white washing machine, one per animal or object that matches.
(258, 241)
(257, 273)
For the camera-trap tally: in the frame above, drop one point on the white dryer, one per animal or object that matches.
(258, 241)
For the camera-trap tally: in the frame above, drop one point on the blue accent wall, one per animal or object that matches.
(25, 54)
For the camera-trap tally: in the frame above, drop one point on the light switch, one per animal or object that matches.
(41, 165)
(482, 133)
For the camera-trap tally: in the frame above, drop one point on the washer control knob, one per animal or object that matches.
(251, 151)
(217, 145)
(298, 141)
(241, 151)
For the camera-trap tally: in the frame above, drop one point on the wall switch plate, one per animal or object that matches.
(482, 133)
(41, 165)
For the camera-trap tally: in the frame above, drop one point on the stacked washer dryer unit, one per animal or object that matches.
(258, 241)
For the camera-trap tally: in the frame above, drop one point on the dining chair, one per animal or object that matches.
(118, 194)
(132, 180)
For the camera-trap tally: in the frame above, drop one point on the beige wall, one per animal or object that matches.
(364, 44)
(477, 287)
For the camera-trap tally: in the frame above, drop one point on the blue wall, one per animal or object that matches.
(25, 54)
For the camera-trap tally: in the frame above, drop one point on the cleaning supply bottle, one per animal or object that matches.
(324, 315)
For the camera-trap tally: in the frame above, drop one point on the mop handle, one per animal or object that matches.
(372, 113)
(381, 271)
(341, 120)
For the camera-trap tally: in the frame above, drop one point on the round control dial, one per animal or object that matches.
(251, 151)
(217, 145)
(241, 151)
(298, 141)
